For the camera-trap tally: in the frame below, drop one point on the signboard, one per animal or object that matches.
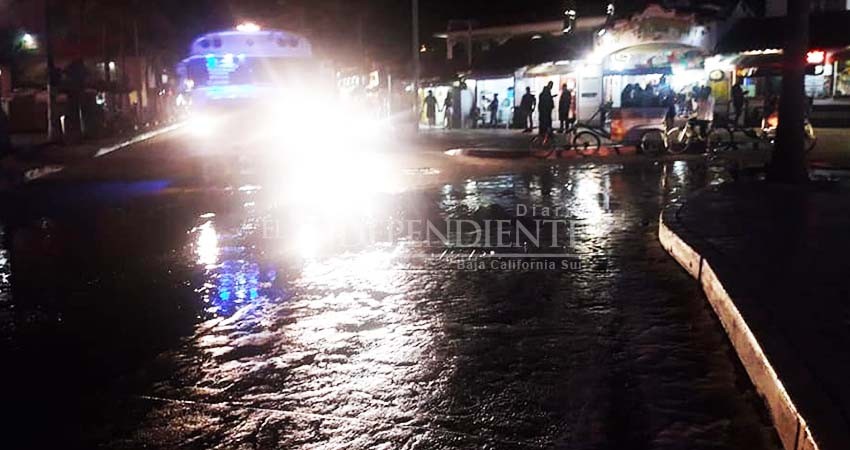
(654, 25)
(654, 58)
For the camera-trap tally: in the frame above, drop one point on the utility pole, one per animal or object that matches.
(48, 49)
(143, 73)
(789, 158)
(416, 62)
(469, 44)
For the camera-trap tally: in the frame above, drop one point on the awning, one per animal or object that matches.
(527, 50)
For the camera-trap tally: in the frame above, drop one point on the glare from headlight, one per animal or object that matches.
(201, 125)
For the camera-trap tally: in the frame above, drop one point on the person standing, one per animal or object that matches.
(704, 110)
(637, 95)
(546, 105)
(5, 139)
(738, 101)
(494, 110)
(650, 97)
(626, 96)
(431, 109)
(526, 109)
(448, 110)
(564, 106)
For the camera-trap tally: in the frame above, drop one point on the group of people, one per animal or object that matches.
(545, 104)
(635, 96)
(431, 109)
(697, 104)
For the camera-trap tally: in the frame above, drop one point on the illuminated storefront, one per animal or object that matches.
(654, 47)
(558, 73)
(679, 66)
(754, 47)
(487, 89)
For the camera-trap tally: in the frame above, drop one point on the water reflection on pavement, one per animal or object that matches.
(304, 343)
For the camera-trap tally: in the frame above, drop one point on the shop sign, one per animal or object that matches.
(652, 57)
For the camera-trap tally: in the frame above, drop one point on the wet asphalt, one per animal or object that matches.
(174, 297)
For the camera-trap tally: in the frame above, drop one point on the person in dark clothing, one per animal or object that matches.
(545, 106)
(668, 100)
(5, 139)
(474, 114)
(626, 96)
(738, 101)
(493, 108)
(526, 109)
(650, 98)
(564, 106)
(448, 110)
(637, 95)
(771, 104)
(431, 108)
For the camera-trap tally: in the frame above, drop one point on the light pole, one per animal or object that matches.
(48, 49)
(416, 65)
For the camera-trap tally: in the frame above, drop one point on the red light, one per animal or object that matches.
(816, 57)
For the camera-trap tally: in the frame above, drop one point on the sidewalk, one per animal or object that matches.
(34, 157)
(772, 261)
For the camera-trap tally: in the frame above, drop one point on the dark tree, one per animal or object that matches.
(789, 158)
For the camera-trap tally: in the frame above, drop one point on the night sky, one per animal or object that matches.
(377, 29)
(385, 23)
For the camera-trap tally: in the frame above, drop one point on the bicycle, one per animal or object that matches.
(585, 143)
(723, 136)
(586, 139)
(686, 137)
(770, 125)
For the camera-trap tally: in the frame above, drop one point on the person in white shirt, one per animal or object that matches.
(704, 110)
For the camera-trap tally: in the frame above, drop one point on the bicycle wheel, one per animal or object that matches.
(719, 139)
(653, 142)
(677, 139)
(542, 145)
(586, 143)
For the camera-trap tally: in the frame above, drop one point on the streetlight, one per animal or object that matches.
(28, 41)
(48, 51)
(414, 5)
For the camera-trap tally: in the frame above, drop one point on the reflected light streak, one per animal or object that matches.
(206, 247)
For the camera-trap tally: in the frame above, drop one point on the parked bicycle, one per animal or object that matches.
(770, 125)
(720, 137)
(584, 143)
(643, 128)
(583, 138)
(694, 133)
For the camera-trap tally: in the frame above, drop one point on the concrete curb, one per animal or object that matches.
(792, 428)
(41, 172)
(135, 140)
(484, 152)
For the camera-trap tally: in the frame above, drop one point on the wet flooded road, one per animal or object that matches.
(249, 317)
